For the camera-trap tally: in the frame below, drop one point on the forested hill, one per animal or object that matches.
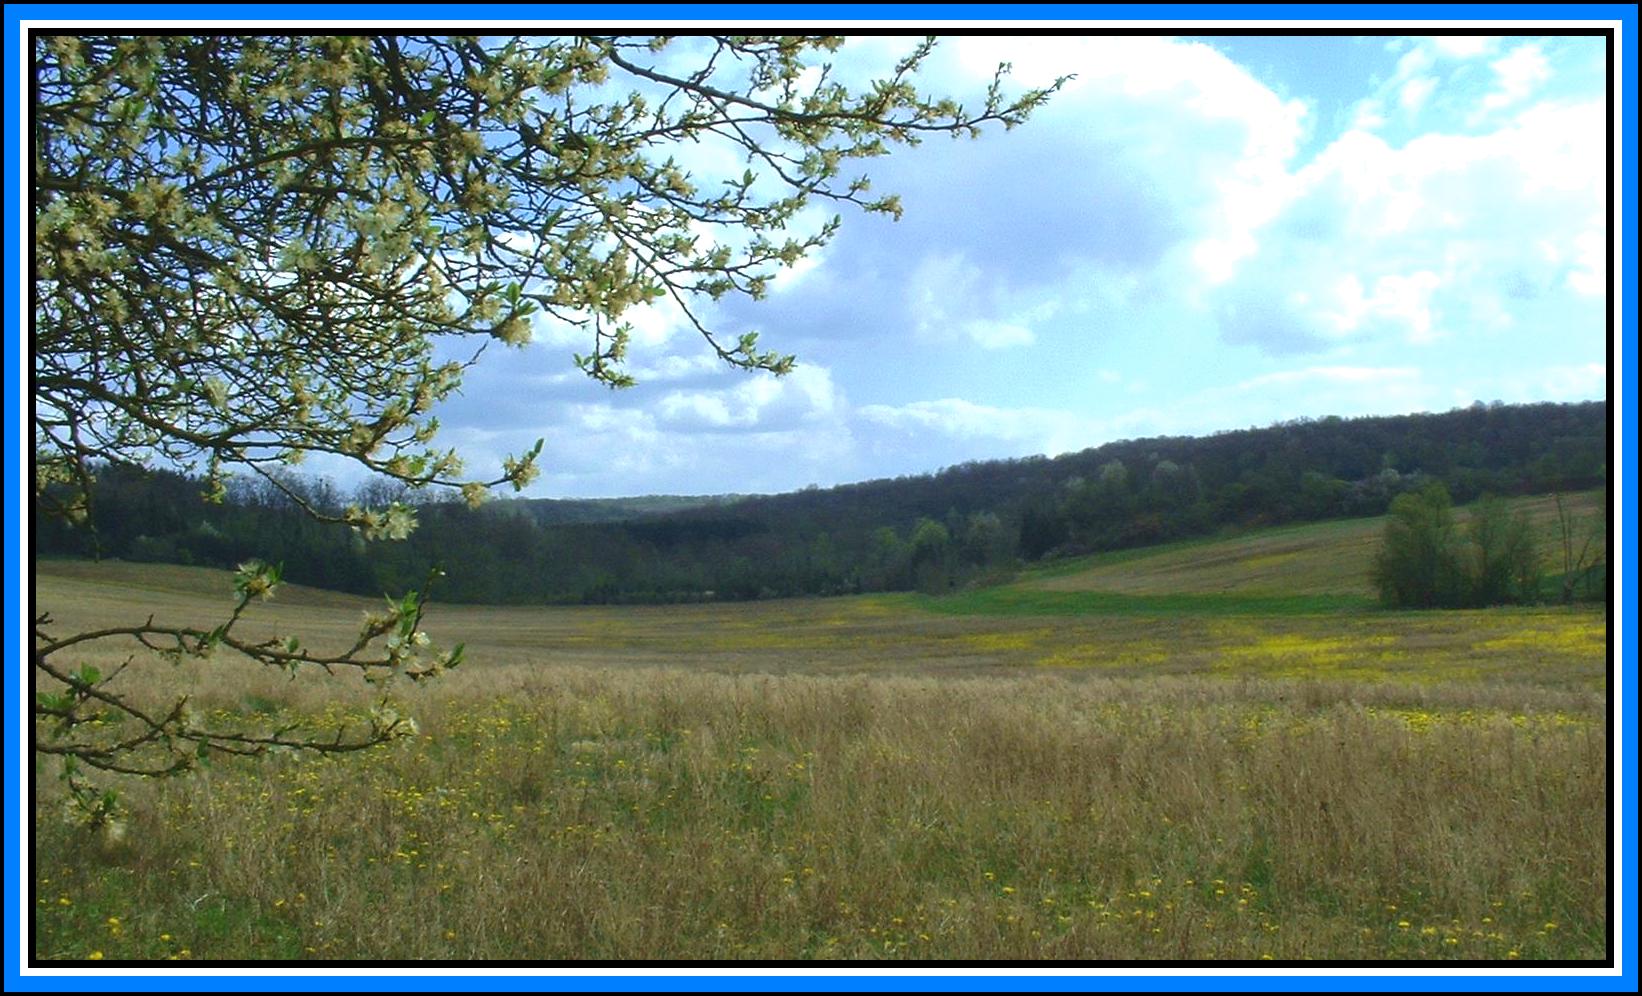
(934, 532)
(561, 511)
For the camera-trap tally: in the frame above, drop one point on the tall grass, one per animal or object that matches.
(1166, 758)
(565, 813)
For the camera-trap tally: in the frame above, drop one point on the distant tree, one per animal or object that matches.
(247, 246)
(1426, 562)
(887, 560)
(1320, 495)
(932, 556)
(1505, 564)
(1579, 546)
(984, 539)
(1042, 530)
(1098, 510)
(1419, 565)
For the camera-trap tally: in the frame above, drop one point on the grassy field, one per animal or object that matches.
(1215, 750)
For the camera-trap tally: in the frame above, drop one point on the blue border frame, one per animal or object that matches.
(1625, 88)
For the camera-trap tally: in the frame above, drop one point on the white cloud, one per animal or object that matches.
(997, 335)
(655, 322)
(1415, 91)
(1136, 197)
(1428, 239)
(702, 408)
(1023, 430)
(789, 277)
(764, 434)
(1406, 298)
(1590, 274)
(1160, 194)
(1368, 115)
(1463, 46)
(948, 298)
(1518, 73)
(677, 367)
(761, 402)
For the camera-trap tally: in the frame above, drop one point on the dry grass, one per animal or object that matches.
(855, 779)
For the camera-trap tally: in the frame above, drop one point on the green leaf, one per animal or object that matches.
(55, 702)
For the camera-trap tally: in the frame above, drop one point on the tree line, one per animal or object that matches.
(962, 525)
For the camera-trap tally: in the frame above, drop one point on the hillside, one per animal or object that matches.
(566, 511)
(1273, 601)
(1318, 567)
(934, 533)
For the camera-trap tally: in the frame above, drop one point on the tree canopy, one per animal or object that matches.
(1426, 562)
(246, 247)
(253, 248)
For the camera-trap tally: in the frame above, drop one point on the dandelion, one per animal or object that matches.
(95, 956)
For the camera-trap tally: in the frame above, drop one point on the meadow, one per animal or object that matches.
(1211, 751)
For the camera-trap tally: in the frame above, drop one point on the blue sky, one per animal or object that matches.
(1197, 234)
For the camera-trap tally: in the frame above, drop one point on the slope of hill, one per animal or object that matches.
(565, 511)
(934, 533)
(1321, 566)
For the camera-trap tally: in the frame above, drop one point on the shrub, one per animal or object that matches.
(1426, 563)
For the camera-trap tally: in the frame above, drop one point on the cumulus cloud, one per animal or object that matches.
(1463, 46)
(1427, 239)
(951, 298)
(761, 435)
(1519, 72)
(1415, 91)
(761, 402)
(1171, 234)
(991, 429)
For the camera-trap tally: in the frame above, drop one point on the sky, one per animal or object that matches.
(1197, 234)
